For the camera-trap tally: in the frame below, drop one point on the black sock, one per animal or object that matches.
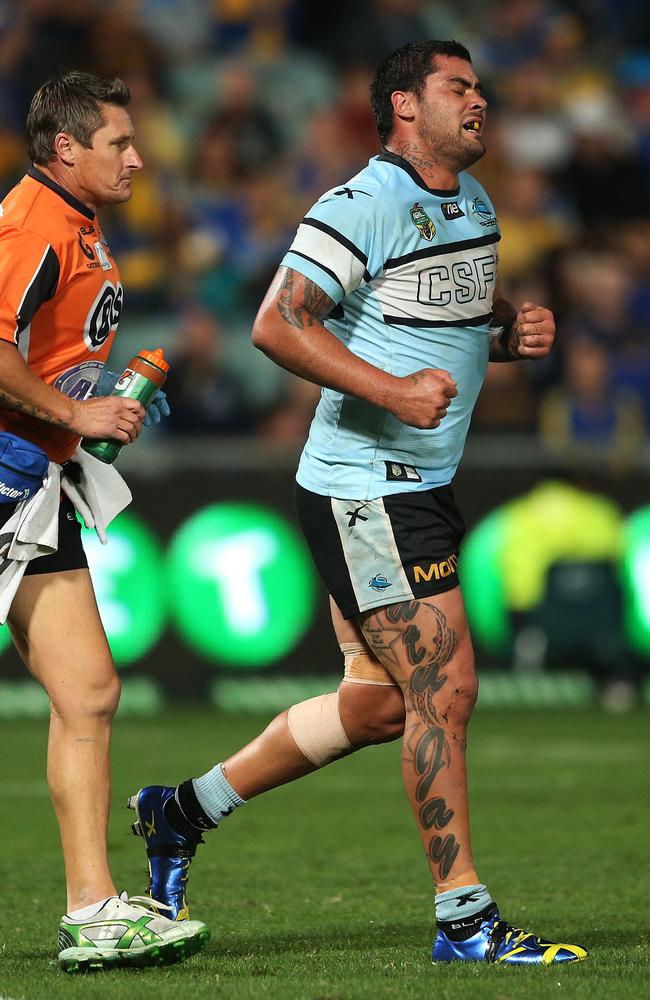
(185, 809)
(461, 930)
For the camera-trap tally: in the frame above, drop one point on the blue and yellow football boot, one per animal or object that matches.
(499, 942)
(169, 852)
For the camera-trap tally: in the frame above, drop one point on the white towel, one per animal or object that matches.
(33, 528)
(100, 494)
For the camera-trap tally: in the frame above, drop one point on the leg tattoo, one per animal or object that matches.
(419, 664)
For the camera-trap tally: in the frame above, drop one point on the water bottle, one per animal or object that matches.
(141, 380)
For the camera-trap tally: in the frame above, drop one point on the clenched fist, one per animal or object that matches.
(114, 417)
(423, 398)
(533, 332)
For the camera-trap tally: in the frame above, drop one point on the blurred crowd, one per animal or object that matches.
(247, 110)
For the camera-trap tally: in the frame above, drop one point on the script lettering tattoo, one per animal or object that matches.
(432, 752)
(428, 679)
(411, 637)
(385, 636)
(420, 158)
(301, 302)
(435, 813)
(385, 641)
(431, 755)
(444, 852)
(402, 612)
(393, 633)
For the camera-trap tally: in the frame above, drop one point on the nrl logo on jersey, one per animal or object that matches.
(422, 222)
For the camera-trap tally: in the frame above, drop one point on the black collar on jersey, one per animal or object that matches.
(399, 161)
(78, 206)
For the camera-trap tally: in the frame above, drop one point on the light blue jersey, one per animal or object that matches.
(412, 272)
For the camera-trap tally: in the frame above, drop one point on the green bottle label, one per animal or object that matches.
(131, 385)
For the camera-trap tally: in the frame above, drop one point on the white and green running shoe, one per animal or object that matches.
(127, 932)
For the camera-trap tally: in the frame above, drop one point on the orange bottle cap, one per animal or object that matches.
(156, 358)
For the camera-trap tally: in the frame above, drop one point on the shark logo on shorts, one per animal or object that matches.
(379, 583)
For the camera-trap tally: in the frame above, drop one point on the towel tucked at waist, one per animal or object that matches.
(97, 492)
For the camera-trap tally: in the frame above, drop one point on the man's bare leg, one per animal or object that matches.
(426, 647)
(295, 743)
(56, 628)
(369, 713)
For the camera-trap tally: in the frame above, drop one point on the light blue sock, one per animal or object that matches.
(460, 904)
(216, 795)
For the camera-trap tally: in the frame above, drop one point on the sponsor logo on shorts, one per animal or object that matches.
(435, 570)
(356, 515)
(379, 583)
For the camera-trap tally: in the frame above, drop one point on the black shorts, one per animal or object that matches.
(70, 553)
(371, 553)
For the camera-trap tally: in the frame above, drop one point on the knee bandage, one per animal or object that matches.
(317, 729)
(361, 667)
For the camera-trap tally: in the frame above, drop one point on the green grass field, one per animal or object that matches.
(319, 891)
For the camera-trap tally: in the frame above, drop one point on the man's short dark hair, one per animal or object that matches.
(407, 69)
(70, 102)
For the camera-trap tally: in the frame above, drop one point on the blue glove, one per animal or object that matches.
(106, 382)
(158, 406)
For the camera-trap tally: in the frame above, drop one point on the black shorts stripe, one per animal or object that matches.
(428, 529)
(322, 536)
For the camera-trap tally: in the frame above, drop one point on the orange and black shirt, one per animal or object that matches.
(60, 298)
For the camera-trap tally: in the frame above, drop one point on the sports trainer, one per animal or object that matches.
(60, 304)
(388, 297)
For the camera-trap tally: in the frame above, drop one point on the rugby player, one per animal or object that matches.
(60, 304)
(389, 298)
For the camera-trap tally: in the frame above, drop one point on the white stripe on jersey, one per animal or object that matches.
(446, 289)
(319, 246)
(370, 552)
(23, 342)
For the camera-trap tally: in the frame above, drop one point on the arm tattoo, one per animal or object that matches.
(30, 409)
(504, 336)
(301, 302)
(504, 344)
